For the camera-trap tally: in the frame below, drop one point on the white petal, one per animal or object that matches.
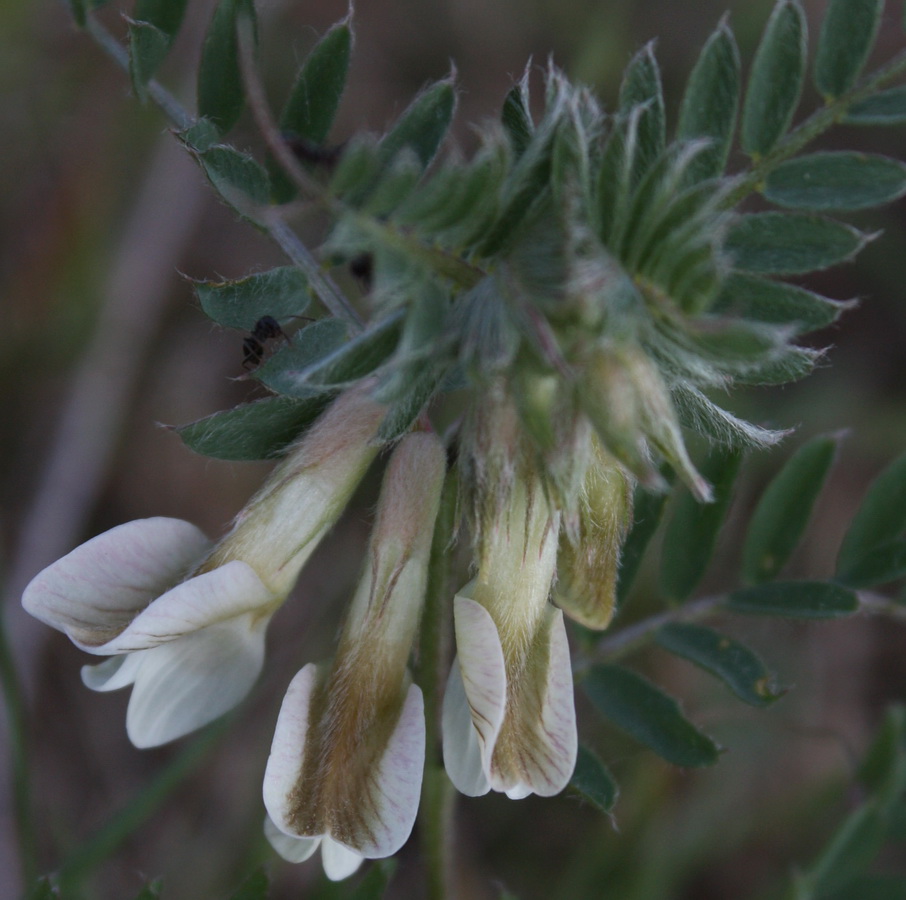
(288, 747)
(339, 862)
(462, 755)
(542, 716)
(520, 792)
(112, 674)
(227, 592)
(94, 591)
(395, 788)
(375, 808)
(185, 684)
(292, 849)
(483, 670)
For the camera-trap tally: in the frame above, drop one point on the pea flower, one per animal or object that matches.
(345, 767)
(183, 619)
(508, 716)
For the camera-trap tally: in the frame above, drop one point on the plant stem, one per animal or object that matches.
(330, 295)
(636, 636)
(814, 126)
(436, 809)
(19, 770)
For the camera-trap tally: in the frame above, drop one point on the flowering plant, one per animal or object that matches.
(536, 342)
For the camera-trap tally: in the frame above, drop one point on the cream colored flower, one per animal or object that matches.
(509, 717)
(183, 620)
(346, 763)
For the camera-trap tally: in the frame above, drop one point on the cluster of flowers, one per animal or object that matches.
(183, 622)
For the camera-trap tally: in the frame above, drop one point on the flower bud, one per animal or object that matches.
(630, 407)
(588, 562)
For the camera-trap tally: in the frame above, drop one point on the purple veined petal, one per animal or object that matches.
(376, 811)
(185, 684)
(394, 790)
(288, 747)
(97, 589)
(292, 849)
(536, 753)
(462, 755)
(227, 592)
(483, 672)
(112, 674)
(339, 861)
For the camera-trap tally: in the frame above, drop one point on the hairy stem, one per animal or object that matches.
(814, 126)
(638, 635)
(435, 811)
(329, 294)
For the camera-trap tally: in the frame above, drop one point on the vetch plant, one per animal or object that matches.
(541, 346)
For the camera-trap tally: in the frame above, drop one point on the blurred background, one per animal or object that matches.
(102, 216)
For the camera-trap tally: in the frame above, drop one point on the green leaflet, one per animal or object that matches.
(166, 15)
(317, 361)
(154, 25)
(691, 535)
(641, 89)
(883, 769)
(649, 715)
(405, 410)
(281, 293)
(525, 187)
(283, 371)
(221, 95)
(710, 103)
(515, 115)
(148, 47)
(259, 430)
(593, 781)
(847, 35)
(411, 143)
(870, 547)
(703, 416)
(836, 181)
(785, 508)
(312, 104)
(773, 243)
(776, 303)
(795, 599)
(883, 563)
(727, 659)
(884, 108)
(839, 870)
(315, 97)
(775, 82)
(236, 177)
(423, 126)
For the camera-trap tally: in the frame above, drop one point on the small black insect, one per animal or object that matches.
(265, 328)
(362, 267)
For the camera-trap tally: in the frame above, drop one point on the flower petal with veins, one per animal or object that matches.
(483, 677)
(94, 591)
(229, 591)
